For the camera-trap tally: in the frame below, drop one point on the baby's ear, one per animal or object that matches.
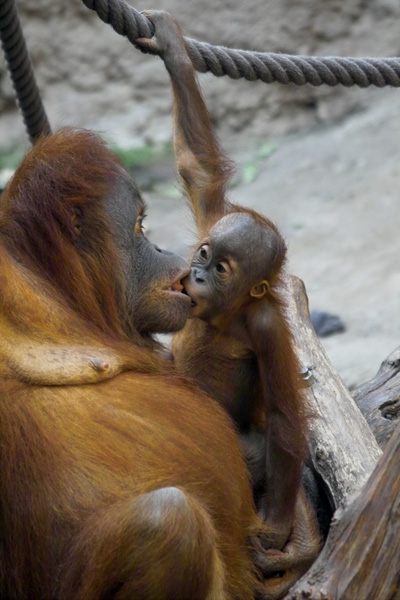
(259, 290)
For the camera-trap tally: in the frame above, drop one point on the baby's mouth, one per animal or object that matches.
(193, 303)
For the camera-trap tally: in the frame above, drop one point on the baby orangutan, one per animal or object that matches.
(237, 344)
(237, 347)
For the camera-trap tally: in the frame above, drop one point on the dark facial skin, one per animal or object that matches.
(224, 277)
(152, 276)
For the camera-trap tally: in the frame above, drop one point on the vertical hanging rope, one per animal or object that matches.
(21, 72)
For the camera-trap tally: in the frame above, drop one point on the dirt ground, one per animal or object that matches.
(334, 193)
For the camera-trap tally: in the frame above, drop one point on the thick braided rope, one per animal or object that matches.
(20, 69)
(267, 67)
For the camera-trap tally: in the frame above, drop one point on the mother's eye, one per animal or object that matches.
(139, 226)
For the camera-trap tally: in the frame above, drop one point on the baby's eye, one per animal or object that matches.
(223, 268)
(203, 252)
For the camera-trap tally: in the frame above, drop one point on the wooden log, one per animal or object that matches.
(379, 399)
(361, 557)
(342, 447)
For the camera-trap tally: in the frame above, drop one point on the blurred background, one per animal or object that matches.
(323, 163)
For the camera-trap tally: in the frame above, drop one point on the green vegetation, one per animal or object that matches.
(251, 169)
(168, 190)
(138, 157)
(10, 158)
(148, 158)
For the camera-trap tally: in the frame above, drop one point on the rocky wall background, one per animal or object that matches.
(91, 77)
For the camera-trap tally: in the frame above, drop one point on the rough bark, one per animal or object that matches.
(361, 558)
(379, 399)
(343, 449)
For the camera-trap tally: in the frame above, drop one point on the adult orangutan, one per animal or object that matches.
(237, 344)
(118, 479)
